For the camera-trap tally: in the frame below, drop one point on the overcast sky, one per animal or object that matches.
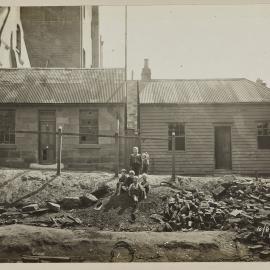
(184, 42)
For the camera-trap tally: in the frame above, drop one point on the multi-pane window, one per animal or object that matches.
(179, 130)
(263, 135)
(89, 126)
(7, 127)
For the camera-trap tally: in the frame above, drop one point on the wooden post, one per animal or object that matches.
(59, 150)
(116, 154)
(173, 156)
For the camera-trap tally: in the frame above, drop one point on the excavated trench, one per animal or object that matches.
(29, 243)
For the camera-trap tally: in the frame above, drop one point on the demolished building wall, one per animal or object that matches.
(12, 45)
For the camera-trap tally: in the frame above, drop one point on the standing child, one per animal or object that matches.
(145, 162)
(135, 161)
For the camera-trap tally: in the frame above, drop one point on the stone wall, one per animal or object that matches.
(74, 154)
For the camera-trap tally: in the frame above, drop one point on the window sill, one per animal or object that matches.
(89, 146)
(176, 151)
(8, 146)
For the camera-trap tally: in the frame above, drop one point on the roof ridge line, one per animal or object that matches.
(206, 79)
(55, 68)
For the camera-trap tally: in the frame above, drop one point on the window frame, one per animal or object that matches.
(13, 142)
(177, 136)
(262, 129)
(96, 142)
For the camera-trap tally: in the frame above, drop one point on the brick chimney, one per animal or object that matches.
(146, 71)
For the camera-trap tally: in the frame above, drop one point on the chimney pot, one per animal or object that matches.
(146, 71)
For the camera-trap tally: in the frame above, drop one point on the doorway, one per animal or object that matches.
(223, 154)
(47, 142)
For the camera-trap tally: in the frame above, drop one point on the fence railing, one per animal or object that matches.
(59, 136)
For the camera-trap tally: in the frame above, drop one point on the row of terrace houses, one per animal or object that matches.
(222, 125)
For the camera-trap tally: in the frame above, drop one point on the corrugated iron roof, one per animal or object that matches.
(57, 86)
(203, 91)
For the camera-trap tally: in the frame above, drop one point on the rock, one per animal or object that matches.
(88, 199)
(218, 191)
(54, 207)
(234, 220)
(236, 213)
(256, 247)
(265, 254)
(101, 191)
(76, 220)
(2, 210)
(70, 202)
(157, 217)
(24, 178)
(30, 207)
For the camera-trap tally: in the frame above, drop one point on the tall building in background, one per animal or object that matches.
(62, 36)
(12, 46)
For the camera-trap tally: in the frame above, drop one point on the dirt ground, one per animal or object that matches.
(100, 230)
(116, 210)
(92, 246)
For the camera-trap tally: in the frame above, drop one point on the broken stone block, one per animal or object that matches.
(157, 218)
(265, 254)
(2, 210)
(88, 199)
(236, 213)
(218, 191)
(76, 220)
(101, 191)
(30, 207)
(70, 202)
(204, 205)
(54, 207)
(234, 220)
(256, 247)
(24, 178)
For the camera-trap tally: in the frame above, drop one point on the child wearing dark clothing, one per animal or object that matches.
(129, 180)
(145, 162)
(121, 181)
(136, 191)
(135, 161)
(145, 184)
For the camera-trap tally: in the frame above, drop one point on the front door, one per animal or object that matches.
(223, 147)
(47, 142)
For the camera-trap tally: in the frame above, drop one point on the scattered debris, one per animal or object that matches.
(54, 207)
(70, 203)
(30, 207)
(89, 199)
(37, 259)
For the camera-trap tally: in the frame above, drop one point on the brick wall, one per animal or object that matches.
(132, 105)
(52, 34)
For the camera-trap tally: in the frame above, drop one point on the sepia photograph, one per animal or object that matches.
(134, 133)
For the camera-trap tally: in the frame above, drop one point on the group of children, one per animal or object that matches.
(137, 190)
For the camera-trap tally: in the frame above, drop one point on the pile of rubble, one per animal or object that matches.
(17, 214)
(241, 205)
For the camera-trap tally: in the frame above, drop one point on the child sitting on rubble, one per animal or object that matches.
(145, 184)
(129, 180)
(121, 181)
(136, 191)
